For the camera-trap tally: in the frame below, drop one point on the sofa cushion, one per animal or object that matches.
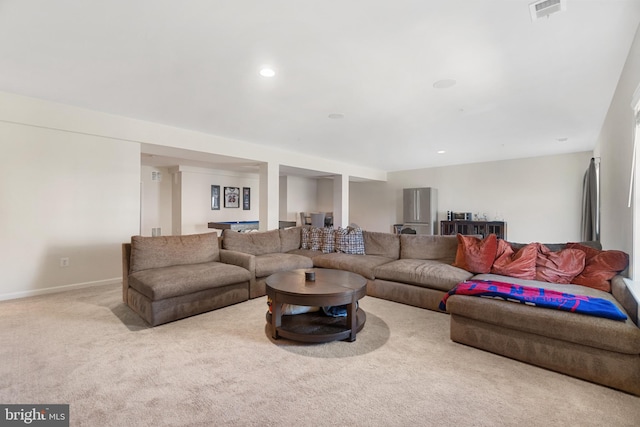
(363, 265)
(383, 244)
(165, 251)
(166, 282)
(559, 266)
(290, 239)
(613, 335)
(521, 264)
(419, 246)
(349, 240)
(427, 273)
(305, 252)
(476, 255)
(268, 264)
(600, 266)
(557, 246)
(256, 243)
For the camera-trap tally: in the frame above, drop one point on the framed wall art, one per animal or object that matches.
(215, 197)
(231, 197)
(246, 198)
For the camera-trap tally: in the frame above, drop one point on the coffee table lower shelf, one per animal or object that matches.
(317, 327)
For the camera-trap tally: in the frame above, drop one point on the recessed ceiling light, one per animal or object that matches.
(267, 72)
(444, 84)
(441, 151)
(563, 139)
(336, 116)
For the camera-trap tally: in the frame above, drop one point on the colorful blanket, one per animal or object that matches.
(537, 297)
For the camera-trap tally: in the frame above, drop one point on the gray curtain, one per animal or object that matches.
(590, 208)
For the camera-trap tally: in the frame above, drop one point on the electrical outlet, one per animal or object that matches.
(64, 262)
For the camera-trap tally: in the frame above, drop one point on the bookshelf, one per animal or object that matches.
(479, 228)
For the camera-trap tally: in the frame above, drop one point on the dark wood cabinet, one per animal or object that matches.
(479, 228)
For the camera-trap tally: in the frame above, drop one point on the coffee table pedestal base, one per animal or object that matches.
(317, 327)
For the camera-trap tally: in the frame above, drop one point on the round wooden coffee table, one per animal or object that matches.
(330, 288)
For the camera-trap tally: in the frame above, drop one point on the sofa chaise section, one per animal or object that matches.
(595, 349)
(172, 277)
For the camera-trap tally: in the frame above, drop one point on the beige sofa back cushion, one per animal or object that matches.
(254, 243)
(383, 244)
(166, 251)
(290, 239)
(418, 246)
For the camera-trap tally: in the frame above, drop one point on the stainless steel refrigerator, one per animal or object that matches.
(420, 210)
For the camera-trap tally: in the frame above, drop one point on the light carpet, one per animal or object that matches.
(87, 349)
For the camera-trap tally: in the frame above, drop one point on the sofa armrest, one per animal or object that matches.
(623, 295)
(241, 259)
(126, 262)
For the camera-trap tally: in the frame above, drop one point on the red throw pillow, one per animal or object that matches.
(560, 266)
(476, 255)
(521, 264)
(600, 267)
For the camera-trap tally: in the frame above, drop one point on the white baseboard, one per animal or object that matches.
(55, 289)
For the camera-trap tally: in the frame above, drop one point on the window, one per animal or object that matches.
(634, 191)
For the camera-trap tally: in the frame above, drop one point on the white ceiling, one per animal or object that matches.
(521, 85)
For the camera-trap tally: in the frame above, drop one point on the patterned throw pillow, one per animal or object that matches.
(305, 241)
(349, 240)
(316, 239)
(328, 240)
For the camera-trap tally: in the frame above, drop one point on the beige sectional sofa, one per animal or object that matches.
(173, 277)
(411, 269)
(417, 270)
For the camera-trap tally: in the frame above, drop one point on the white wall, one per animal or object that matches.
(196, 198)
(176, 202)
(324, 200)
(540, 198)
(156, 201)
(615, 145)
(372, 205)
(91, 160)
(302, 195)
(282, 206)
(71, 187)
(64, 194)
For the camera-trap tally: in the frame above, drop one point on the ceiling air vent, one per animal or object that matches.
(543, 8)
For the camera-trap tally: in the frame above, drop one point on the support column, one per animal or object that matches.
(340, 200)
(176, 201)
(269, 197)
